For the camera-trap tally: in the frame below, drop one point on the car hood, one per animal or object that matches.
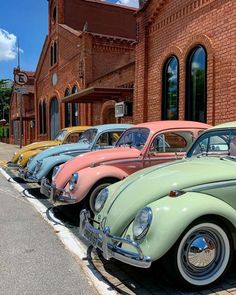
(34, 146)
(149, 185)
(58, 150)
(92, 159)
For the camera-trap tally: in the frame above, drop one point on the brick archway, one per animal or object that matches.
(108, 113)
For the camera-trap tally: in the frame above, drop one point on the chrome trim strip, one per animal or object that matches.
(212, 185)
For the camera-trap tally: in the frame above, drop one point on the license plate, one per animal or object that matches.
(91, 237)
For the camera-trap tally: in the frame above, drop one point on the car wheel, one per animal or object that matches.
(202, 255)
(96, 190)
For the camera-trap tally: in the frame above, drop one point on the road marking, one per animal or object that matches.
(70, 241)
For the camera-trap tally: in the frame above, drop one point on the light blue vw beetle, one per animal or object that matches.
(97, 137)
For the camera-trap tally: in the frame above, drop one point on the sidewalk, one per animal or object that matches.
(32, 259)
(6, 152)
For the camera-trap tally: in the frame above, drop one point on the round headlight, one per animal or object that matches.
(73, 181)
(55, 170)
(21, 157)
(101, 200)
(142, 222)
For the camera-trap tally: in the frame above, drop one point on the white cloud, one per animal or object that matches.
(8, 49)
(132, 3)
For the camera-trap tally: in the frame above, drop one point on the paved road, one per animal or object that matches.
(32, 259)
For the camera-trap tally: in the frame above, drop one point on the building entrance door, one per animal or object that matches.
(54, 117)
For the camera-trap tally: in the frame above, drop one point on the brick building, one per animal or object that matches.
(28, 113)
(185, 61)
(86, 65)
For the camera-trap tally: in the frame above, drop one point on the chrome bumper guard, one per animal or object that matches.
(12, 165)
(23, 173)
(46, 187)
(56, 195)
(108, 244)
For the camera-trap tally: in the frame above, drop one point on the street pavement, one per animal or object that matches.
(32, 259)
(122, 278)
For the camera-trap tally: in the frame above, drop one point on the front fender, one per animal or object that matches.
(88, 177)
(49, 163)
(171, 216)
(26, 156)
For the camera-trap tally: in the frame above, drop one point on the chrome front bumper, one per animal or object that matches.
(59, 196)
(13, 165)
(23, 173)
(109, 244)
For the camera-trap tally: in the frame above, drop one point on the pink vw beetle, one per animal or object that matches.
(141, 146)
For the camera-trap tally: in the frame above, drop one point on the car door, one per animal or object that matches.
(168, 146)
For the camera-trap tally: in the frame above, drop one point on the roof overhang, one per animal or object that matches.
(98, 94)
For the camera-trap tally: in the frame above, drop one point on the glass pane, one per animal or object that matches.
(168, 142)
(136, 137)
(88, 136)
(170, 90)
(196, 103)
(212, 143)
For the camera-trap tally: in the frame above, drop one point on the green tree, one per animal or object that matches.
(5, 94)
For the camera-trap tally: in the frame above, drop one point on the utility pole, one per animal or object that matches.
(21, 79)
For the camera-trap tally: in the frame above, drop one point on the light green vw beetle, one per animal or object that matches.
(184, 212)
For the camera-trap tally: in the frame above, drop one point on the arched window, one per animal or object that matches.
(44, 117)
(196, 85)
(75, 109)
(41, 118)
(170, 93)
(67, 109)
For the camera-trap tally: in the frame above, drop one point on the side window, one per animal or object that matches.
(108, 138)
(73, 137)
(114, 137)
(212, 144)
(168, 142)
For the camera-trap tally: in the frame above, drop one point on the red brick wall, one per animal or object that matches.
(175, 27)
(99, 56)
(122, 77)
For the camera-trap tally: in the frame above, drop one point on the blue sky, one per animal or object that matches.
(28, 21)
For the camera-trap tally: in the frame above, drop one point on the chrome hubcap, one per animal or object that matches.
(201, 252)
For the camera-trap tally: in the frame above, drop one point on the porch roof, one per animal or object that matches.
(97, 94)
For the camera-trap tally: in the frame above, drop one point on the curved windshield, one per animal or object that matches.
(215, 143)
(88, 136)
(135, 137)
(61, 135)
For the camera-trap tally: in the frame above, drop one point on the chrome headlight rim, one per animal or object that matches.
(55, 171)
(73, 181)
(101, 200)
(141, 227)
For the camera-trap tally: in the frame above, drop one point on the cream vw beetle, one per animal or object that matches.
(183, 212)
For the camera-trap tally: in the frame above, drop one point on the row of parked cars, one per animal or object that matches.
(180, 212)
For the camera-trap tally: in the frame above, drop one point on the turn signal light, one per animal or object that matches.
(175, 193)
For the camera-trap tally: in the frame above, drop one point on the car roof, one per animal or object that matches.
(76, 128)
(225, 125)
(112, 126)
(168, 124)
